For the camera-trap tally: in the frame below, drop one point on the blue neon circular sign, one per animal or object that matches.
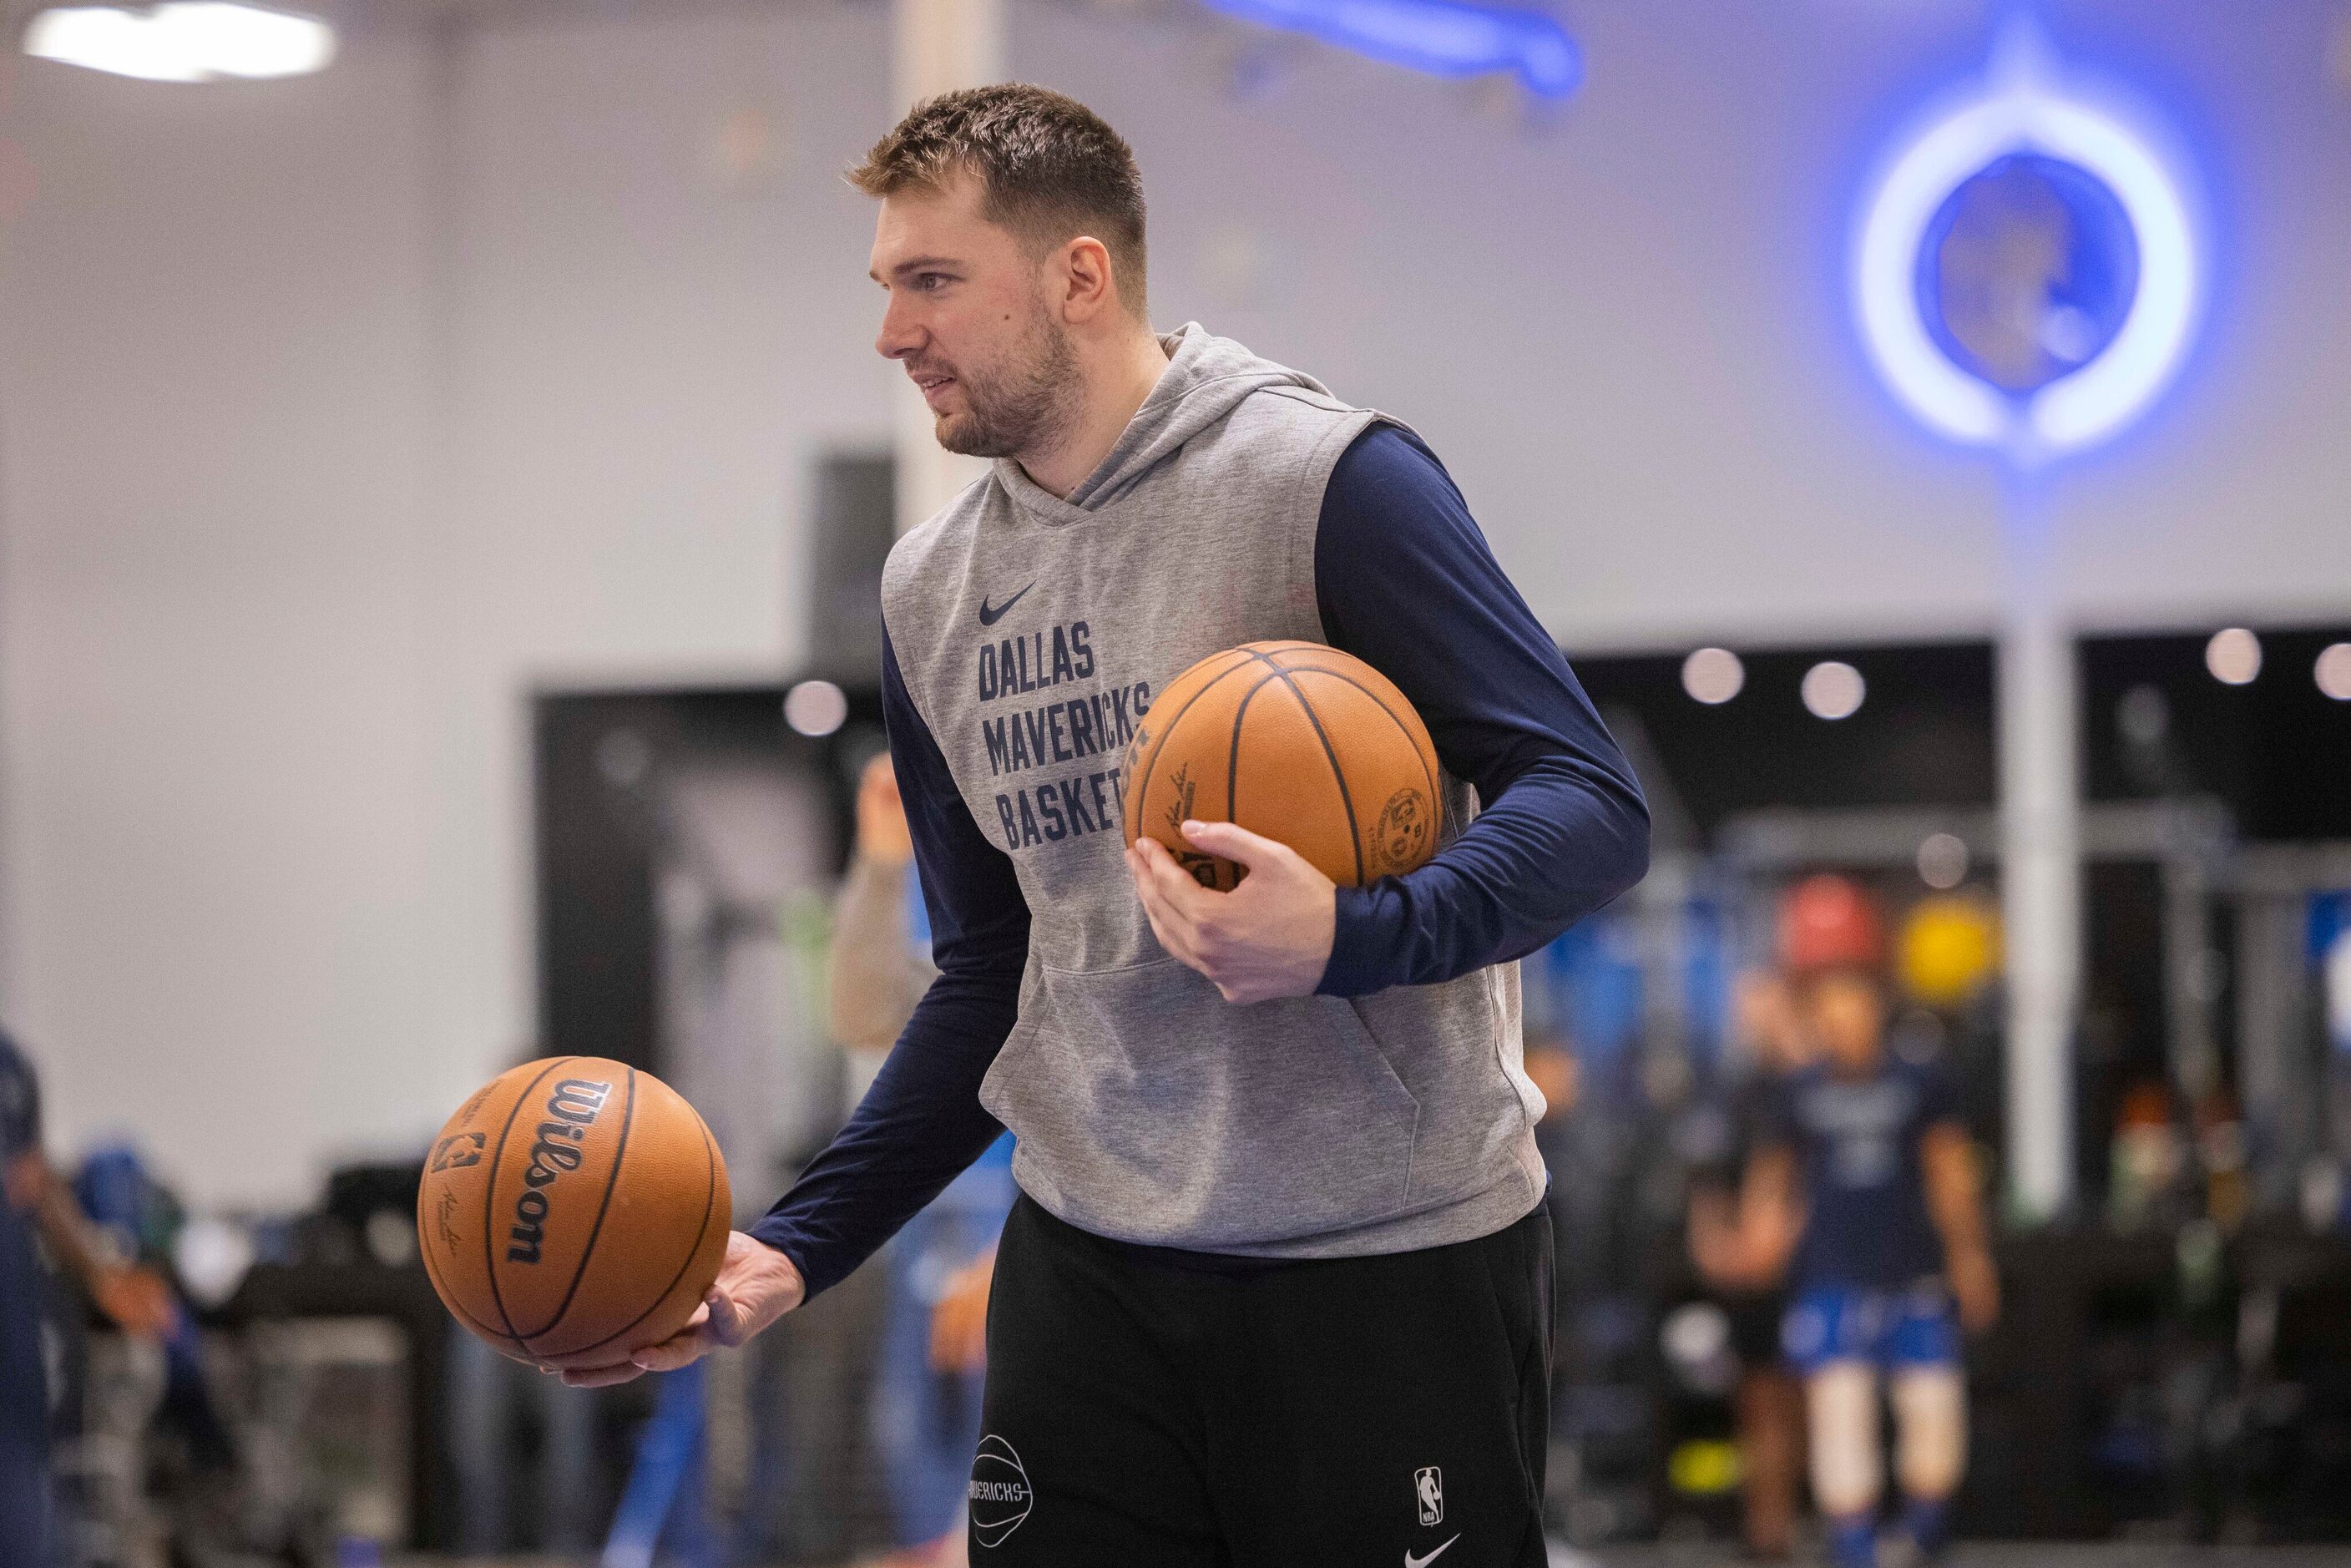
(2024, 275)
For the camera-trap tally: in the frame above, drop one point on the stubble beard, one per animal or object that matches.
(1026, 406)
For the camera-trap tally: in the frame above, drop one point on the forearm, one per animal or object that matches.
(918, 1127)
(67, 1231)
(1404, 580)
(1561, 842)
(872, 981)
(1769, 1224)
(922, 1122)
(1952, 1200)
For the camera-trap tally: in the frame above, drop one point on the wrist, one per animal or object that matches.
(789, 1277)
(1354, 936)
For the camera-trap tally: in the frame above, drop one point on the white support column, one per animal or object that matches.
(939, 46)
(2041, 865)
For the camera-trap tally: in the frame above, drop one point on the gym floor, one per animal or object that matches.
(1709, 1554)
(2003, 1554)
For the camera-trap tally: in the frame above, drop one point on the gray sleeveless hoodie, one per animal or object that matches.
(1031, 632)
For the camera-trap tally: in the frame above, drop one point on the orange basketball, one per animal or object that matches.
(573, 1211)
(1298, 742)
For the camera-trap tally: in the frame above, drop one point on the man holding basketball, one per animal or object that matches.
(1277, 1290)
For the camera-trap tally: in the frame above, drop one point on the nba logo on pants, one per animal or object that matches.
(1428, 1486)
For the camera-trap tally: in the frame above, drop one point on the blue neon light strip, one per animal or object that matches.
(1441, 38)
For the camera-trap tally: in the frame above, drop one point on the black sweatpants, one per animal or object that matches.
(1147, 1408)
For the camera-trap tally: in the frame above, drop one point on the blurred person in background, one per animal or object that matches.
(1864, 1190)
(39, 1203)
(1771, 1402)
(927, 1407)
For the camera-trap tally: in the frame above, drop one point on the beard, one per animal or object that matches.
(1024, 404)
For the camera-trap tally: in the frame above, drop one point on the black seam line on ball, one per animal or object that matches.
(612, 1180)
(1233, 750)
(1136, 789)
(490, 1199)
(1354, 834)
(1435, 800)
(433, 1272)
(709, 1201)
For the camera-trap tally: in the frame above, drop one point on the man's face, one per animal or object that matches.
(969, 317)
(1845, 1013)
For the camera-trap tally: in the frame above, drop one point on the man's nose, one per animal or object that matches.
(899, 337)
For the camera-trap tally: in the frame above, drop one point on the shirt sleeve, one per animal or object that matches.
(922, 1122)
(1938, 1096)
(1772, 1115)
(1405, 582)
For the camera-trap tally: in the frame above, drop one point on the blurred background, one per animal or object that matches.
(445, 473)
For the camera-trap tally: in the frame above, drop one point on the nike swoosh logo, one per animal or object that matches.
(1412, 1562)
(989, 615)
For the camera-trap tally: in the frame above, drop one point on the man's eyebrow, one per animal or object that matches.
(914, 264)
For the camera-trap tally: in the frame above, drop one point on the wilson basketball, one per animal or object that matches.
(1298, 742)
(573, 1211)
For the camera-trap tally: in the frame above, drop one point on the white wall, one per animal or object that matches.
(651, 340)
(336, 415)
(1625, 330)
(216, 735)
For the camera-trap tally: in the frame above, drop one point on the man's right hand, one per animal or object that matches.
(755, 1285)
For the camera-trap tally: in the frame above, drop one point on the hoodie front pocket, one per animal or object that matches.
(1170, 1113)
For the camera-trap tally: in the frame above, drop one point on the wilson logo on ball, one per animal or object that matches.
(572, 1110)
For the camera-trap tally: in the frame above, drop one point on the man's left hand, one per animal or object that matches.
(1269, 937)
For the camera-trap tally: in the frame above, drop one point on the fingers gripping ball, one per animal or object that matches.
(574, 1210)
(1300, 743)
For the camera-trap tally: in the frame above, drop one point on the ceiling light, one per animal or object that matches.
(187, 40)
(2334, 671)
(2235, 657)
(1442, 37)
(1713, 675)
(1834, 690)
(816, 707)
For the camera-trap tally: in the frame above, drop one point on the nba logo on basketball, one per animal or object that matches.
(1428, 1486)
(1000, 1495)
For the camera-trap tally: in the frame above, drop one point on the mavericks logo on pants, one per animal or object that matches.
(1000, 1494)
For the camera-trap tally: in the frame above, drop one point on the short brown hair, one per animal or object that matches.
(1050, 168)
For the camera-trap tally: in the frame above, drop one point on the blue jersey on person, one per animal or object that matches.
(1858, 1144)
(24, 1394)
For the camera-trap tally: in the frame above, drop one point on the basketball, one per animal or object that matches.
(573, 1211)
(1300, 743)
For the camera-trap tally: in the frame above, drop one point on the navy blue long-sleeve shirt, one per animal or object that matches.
(1405, 581)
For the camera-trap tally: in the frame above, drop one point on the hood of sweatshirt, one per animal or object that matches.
(1207, 378)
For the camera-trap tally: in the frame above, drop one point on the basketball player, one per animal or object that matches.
(1769, 1401)
(1868, 1176)
(925, 1417)
(33, 1201)
(1276, 1288)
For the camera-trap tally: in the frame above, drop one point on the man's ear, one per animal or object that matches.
(1088, 290)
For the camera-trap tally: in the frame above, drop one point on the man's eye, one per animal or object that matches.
(930, 282)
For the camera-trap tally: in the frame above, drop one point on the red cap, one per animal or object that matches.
(1828, 922)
